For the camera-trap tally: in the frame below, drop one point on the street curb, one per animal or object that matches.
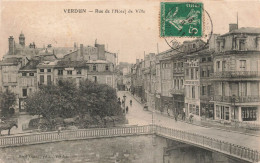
(165, 115)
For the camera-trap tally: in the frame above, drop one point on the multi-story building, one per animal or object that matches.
(136, 79)
(96, 52)
(149, 77)
(178, 81)
(192, 77)
(206, 87)
(158, 89)
(166, 77)
(27, 82)
(49, 72)
(236, 75)
(24, 68)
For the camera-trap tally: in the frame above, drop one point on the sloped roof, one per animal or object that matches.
(71, 63)
(31, 65)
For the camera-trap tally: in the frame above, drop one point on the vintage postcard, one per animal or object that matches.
(119, 81)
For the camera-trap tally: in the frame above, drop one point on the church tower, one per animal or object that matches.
(22, 39)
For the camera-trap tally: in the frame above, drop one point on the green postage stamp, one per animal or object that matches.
(181, 19)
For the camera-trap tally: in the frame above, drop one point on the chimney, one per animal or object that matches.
(11, 45)
(101, 51)
(137, 61)
(81, 49)
(233, 27)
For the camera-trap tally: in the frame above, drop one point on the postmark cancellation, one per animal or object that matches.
(181, 19)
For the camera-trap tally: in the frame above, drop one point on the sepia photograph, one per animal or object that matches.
(120, 81)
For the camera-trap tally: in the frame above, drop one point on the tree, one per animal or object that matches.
(53, 101)
(7, 100)
(98, 100)
(66, 100)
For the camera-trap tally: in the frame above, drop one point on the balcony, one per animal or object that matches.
(177, 91)
(235, 74)
(236, 99)
(178, 70)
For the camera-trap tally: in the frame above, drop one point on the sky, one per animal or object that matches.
(129, 35)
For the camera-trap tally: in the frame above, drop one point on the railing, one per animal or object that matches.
(177, 91)
(35, 138)
(186, 137)
(178, 70)
(235, 74)
(236, 99)
(209, 143)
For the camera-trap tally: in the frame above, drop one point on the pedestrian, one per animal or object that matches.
(176, 116)
(191, 118)
(168, 111)
(126, 109)
(183, 114)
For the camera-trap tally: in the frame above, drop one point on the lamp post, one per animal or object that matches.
(124, 103)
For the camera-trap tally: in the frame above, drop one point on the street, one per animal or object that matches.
(137, 116)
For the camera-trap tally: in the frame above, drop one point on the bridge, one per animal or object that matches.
(194, 139)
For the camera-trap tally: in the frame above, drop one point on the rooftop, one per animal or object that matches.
(245, 30)
(31, 65)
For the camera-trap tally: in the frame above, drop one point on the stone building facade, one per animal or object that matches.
(236, 75)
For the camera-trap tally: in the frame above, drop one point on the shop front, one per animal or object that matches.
(207, 110)
(166, 103)
(249, 114)
(178, 102)
(223, 112)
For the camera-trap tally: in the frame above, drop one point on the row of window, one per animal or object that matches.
(179, 64)
(30, 74)
(178, 83)
(192, 73)
(247, 113)
(206, 90)
(242, 65)
(42, 70)
(69, 72)
(166, 65)
(48, 79)
(240, 45)
(205, 72)
(206, 59)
